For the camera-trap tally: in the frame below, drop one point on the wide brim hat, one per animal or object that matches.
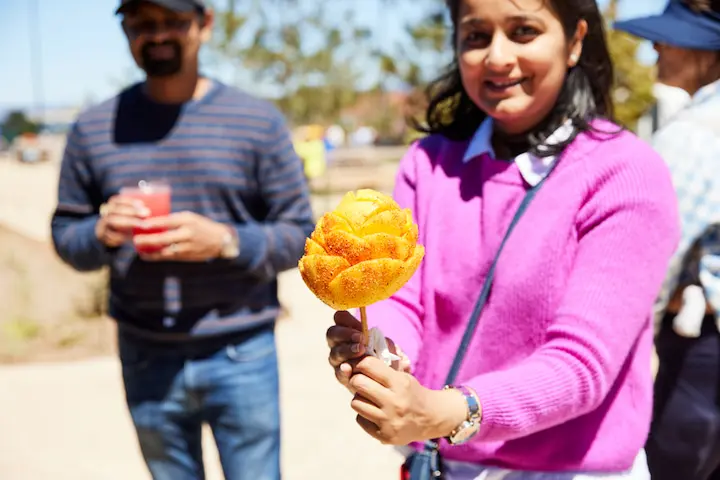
(679, 25)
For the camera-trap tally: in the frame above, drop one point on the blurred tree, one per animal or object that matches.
(16, 123)
(632, 93)
(318, 59)
(293, 52)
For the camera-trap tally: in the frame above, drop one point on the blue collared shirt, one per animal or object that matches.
(690, 145)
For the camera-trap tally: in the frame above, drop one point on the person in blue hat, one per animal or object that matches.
(684, 441)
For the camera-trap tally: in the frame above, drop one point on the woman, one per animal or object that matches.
(556, 377)
(684, 440)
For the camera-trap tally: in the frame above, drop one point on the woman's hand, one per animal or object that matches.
(394, 408)
(345, 340)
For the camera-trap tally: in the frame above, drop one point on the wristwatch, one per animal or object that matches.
(230, 245)
(471, 425)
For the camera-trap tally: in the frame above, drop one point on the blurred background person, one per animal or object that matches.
(196, 310)
(684, 441)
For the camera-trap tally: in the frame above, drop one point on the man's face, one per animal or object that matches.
(163, 42)
(684, 68)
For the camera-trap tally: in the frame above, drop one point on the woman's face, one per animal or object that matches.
(513, 57)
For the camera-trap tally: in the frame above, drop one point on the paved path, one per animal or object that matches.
(28, 197)
(69, 422)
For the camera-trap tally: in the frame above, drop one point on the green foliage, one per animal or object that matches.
(632, 93)
(298, 54)
(16, 124)
(320, 61)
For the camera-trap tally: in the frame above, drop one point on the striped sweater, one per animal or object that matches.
(227, 156)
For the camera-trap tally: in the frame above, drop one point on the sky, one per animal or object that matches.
(83, 55)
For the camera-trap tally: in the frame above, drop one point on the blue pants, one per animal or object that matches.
(233, 387)
(684, 441)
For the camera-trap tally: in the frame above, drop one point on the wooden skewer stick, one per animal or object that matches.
(363, 321)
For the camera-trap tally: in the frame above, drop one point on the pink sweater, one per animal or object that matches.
(561, 356)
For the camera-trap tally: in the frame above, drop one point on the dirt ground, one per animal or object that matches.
(49, 312)
(67, 419)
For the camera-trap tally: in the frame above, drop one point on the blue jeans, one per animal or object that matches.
(233, 387)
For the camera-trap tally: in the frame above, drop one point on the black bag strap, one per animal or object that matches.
(432, 445)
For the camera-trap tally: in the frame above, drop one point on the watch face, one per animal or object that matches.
(230, 248)
(230, 251)
(466, 431)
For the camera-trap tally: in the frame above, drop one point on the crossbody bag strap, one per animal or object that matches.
(432, 445)
(485, 292)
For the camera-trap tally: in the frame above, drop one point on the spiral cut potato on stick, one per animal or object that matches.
(362, 252)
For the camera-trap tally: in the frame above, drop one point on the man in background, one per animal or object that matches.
(195, 315)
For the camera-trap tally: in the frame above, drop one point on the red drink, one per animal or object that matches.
(156, 198)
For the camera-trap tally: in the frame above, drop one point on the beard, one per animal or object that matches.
(161, 67)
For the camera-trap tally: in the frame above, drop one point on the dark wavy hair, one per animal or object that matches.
(585, 94)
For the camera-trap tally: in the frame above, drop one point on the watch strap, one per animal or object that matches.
(473, 413)
(471, 398)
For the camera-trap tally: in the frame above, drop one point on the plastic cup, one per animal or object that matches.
(156, 196)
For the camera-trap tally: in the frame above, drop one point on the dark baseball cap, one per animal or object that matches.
(181, 6)
(679, 25)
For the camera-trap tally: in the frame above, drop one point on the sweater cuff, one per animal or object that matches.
(510, 407)
(93, 245)
(252, 242)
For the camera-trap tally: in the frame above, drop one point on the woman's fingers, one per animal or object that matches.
(343, 318)
(343, 352)
(344, 339)
(367, 409)
(343, 374)
(369, 427)
(336, 335)
(402, 365)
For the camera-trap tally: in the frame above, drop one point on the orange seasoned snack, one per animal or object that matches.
(362, 252)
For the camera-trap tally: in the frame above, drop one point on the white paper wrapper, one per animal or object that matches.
(378, 347)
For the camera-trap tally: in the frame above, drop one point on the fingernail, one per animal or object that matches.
(143, 212)
(356, 348)
(356, 337)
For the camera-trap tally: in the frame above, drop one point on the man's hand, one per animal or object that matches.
(117, 219)
(188, 237)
